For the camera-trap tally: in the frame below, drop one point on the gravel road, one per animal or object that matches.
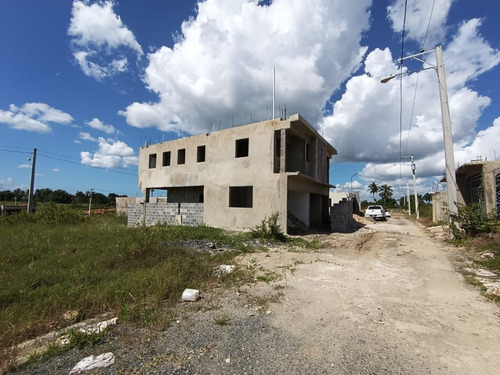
(383, 300)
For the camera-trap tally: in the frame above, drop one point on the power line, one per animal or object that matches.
(62, 158)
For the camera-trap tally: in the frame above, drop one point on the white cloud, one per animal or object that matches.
(8, 184)
(87, 137)
(365, 127)
(486, 145)
(34, 117)
(99, 125)
(100, 40)
(418, 13)
(24, 166)
(221, 67)
(110, 154)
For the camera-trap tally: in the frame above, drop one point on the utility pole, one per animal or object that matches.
(451, 182)
(408, 195)
(413, 169)
(32, 183)
(90, 201)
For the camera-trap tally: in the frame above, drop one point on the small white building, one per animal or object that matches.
(234, 178)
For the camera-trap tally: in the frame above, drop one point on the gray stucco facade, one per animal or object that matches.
(241, 175)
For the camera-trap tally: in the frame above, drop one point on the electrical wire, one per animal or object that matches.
(416, 83)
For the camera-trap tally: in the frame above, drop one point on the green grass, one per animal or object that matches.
(60, 260)
(92, 266)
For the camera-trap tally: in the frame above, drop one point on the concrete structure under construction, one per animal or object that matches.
(236, 177)
(478, 182)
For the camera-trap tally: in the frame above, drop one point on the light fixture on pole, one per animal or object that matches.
(350, 191)
(445, 114)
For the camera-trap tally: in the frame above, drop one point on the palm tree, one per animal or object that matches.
(373, 188)
(385, 192)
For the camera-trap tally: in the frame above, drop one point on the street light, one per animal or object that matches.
(445, 114)
(351, 181)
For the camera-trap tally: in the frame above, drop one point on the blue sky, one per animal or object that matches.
(88, 82)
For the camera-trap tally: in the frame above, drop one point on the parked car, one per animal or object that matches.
(387, 212)
(375, 211)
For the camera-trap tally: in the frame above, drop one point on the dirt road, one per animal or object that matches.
(383, 300)
(392, 304)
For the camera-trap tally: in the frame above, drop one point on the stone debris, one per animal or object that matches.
(481, 272)
(224, 269)
(190, 295)
(487, 255)
(39, 345)
(492, 287)
(93, 362)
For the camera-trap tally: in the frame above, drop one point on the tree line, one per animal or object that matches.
(59, 196)
(385, 193)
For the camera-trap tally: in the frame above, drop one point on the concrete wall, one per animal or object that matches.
(167, 213)
(439, 209)
(488, 170)
(221, 169)
(123, 203)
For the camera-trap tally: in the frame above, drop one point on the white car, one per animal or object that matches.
(387, 212)
(375, 211)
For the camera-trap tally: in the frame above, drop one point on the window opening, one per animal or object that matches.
(241, 148)
(200, 154)
(181, 156)
(152, 161)
(241, 196)
(166, 159)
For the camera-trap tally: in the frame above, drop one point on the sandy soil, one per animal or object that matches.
(383, 300)
(386, 293)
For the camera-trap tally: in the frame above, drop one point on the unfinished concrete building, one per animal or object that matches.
(234, 178)
(477, 181)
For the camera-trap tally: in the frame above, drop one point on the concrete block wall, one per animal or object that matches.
(190, 213)
(341, 216)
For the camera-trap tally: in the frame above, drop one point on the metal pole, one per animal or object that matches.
(451, 182)
(350, 190)
(274, 89)
(32, 183)
(408, 195)
(413, 168)
(90, 202)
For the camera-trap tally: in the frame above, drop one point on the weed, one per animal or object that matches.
(93, 266)
(473, 220)
(270, 229)
(80, 339)
(221, 320)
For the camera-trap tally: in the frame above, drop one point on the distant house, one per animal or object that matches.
(477, 181)
(234, 178)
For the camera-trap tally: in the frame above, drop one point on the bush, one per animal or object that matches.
(269, 228)
(472, 221)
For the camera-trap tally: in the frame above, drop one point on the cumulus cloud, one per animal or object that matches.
(220, 69)
(34, 117)
(87, 137)
(100, 40)
(365, 126)
(418, 13)
(8, 184)
(99, 125)
(110, 154)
